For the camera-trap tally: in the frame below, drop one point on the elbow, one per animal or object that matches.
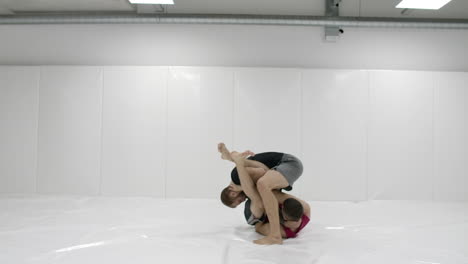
(259, 228)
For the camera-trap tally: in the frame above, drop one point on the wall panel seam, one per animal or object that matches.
(38, 86)
(102, 131)
(368, 117)
(301, 103)
(166, 130)
(234, 107)
(434, 84)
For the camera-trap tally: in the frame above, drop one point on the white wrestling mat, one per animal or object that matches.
(46, 229)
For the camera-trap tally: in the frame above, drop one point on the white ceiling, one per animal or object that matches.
(368, 8)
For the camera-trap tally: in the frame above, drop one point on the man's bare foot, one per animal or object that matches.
(269, 241)
(225, 155)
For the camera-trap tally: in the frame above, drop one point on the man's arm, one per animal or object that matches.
(254, 174)
(248, 185)
(264, 229)
(255, 164)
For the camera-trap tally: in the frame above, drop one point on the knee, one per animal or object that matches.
(263, 185)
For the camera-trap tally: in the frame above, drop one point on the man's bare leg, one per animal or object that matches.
(226, 155)
(270, 181)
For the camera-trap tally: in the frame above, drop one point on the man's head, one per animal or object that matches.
(292, 211)
(232, 198)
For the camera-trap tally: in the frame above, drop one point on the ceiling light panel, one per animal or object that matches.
(152, 2)
(422, 4)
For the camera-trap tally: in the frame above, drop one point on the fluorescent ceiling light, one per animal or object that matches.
(153, 2)
(422, 4)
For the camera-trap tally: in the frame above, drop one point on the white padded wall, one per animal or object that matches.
(451, 137)
(387, 134)
(267, 110)
(134, 131)
(400, 144)
(18, 129)
(334, 128)
(199, 116)
(69, 139)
